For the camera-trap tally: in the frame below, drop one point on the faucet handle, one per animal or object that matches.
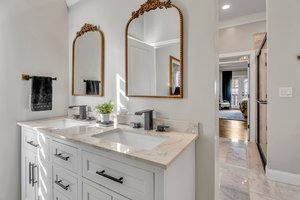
(161, 128)
(136, 124)
(144, 111)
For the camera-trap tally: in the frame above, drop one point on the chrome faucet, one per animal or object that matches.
(82, 111)
(148, 125)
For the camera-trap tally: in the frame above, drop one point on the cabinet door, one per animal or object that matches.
(91, 193)
(29, 168)
(45, 180)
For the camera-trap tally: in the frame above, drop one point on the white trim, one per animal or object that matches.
(165, 43)
(257, 17)
(239, 62)
(236, 54)
(284, 177)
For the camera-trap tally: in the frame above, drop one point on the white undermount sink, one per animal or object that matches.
(63, 123)
(132, 139)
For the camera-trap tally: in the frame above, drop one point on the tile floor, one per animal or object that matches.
(242, 176)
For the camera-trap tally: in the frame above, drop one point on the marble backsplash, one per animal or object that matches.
(175, 125)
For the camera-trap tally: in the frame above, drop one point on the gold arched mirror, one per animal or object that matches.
(88, 62)
(154, 51)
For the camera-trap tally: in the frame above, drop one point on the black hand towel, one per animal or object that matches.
(92, 87)
(177, 91)
(41, 93)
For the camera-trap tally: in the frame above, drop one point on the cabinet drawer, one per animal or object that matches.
(92, 193)
(59, 196)
(64, 182)
(30, 139)
(65, 156)
(126, 180)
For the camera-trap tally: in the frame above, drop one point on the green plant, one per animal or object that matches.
(105, 108)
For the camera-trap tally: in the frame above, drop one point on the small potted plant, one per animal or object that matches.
(104, 110)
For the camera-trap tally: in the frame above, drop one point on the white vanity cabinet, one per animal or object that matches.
(36, 166)
(58, 169)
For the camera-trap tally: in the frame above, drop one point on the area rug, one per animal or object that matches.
(232, 115)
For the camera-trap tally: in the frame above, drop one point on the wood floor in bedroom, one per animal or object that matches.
(234, 129)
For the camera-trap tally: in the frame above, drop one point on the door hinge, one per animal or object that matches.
(248, 126)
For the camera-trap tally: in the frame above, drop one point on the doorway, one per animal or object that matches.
(236, 121)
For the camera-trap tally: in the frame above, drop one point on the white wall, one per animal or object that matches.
(200, 72)
(33, 40)
(239, 38)
(283, 71)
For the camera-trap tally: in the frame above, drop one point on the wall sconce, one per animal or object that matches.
(298, 57)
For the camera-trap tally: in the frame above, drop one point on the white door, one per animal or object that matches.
(29, 175)
(141, 68)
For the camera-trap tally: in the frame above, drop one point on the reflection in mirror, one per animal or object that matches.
(88, 62)
(154, 51)
(175, 76)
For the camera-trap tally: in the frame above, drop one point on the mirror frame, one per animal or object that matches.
(147, 7)
(85, 29)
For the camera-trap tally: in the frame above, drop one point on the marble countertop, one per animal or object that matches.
(161, 155)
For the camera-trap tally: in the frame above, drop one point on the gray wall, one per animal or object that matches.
(200, 72)
(33, 40)
(283, 71)
(239, 38)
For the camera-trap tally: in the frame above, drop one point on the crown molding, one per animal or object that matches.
(257, 17)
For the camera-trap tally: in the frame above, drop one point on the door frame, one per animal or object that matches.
(252, 123)
(258, 102)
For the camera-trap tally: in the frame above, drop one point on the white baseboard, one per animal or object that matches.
(284, 177)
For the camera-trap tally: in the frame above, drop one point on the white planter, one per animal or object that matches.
(104, 117)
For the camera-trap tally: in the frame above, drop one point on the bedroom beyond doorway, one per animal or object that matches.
(234, 96)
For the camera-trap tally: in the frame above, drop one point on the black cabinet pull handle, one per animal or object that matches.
(118, 180)
(62, 157)
(65, 187)
(32, 144)
(33, 181)
(30, 175)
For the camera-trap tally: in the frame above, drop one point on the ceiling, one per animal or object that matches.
(240, 12)
(241, 9)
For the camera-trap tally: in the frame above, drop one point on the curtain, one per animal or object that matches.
(226, 83)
